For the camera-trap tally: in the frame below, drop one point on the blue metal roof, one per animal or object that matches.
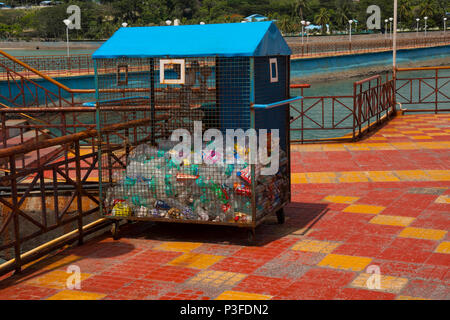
(227, 40)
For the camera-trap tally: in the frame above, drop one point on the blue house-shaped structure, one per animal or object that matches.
(229, 76)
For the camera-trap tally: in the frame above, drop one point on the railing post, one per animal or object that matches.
(436, 91)
(354, 111)
(17, 242)
(79, 192)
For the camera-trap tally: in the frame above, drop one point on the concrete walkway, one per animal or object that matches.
(379, 205)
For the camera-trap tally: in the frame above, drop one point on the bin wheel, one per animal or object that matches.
(115, 230)
(251, 236)
(280, 216)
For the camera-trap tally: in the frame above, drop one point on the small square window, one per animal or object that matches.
(122, 74)
(273, 64)
(171, 71)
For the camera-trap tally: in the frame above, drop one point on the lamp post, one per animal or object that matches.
(303, 22)
(394, 43)
(390, 27)
(350, 29)
(307, 33)
(168, 22)
(417, 32)
(67, 22)
(426, 18)
(385, 27)
(124, 24)
(445, 25)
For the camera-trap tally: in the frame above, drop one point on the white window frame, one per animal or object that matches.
(163, 62)
(271, 62)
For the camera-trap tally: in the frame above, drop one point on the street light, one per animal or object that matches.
(426, 18)
(307, 33)
(67, 22)
(445, 25)
(124, 24)
(303, 22)
(390, 27)
(350, 28)
(385, 27)
(417, 32)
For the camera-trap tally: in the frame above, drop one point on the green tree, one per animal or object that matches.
(322, 18)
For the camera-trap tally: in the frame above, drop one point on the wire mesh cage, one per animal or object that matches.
(147, 174)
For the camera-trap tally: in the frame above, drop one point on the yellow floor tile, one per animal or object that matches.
(352, 176)
(412, 175)
(55, 279)
(237, 295)
(378, 139)
(421, 137)
(438, 175)
(393, 135)
(412, 132)
(178, 246)
(195, 260)
(307, 147)
(334, 147)
(444, 247)
(363, 208)
(340, 199)
(421, 233)
(217, 278)
(409, 298)
(345, 262)
(76, 295)
(321, 177)
(315, 246)
(297, 178)
(358, 147)
(431, 145)
(437, 134)
(404, 145)
(392, 220)
(443, 199)
(387, 283)
(381, 176)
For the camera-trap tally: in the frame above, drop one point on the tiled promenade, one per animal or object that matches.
(379, 204)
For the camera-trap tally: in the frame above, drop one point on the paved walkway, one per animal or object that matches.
(382, 204)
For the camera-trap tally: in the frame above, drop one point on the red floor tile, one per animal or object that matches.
(172, 274)
(263, 285)
(361, 294)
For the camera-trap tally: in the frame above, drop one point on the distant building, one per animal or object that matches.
(256, 18)
(4, 6)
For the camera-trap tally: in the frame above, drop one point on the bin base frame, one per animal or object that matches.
(250, 227)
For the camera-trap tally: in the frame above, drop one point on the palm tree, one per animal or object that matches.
(404, 11)
(427, 8)
(300, 7)
(322, 18)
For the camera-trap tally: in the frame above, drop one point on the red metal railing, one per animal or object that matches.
(66, 189)
(51, 65)
(429, 92)
(317, 119)
(372, 98)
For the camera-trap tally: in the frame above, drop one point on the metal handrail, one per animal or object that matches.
(276, 104)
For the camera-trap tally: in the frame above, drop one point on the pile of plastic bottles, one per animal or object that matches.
(154, 186)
